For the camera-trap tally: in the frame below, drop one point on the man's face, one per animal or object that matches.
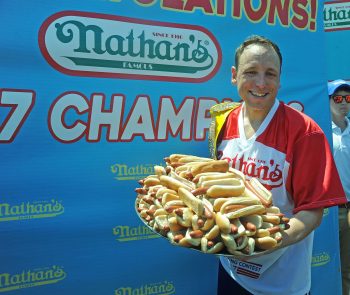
(340, 109)
(258, 77)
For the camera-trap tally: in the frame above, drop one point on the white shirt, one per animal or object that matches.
(341, 152)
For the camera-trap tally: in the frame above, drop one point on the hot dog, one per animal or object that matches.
(173, 205)
(191, 201)
(255, 219)
(182, 180)
(222, 181)
(202, 222)
(250, 247)
(260, 191)
(222, 204)
(159, 170)
(213, 233)
(184, 216)
(167, 197)
(211, 166)
(162, 224)
(217, 191)
(172, 183)
(223, 222)
(194, 240)
(274, 219)
(265, 243)
(215, 176)
(189, 158)
(229, 242)
(249, 210)
(237, 173)
(211, 247)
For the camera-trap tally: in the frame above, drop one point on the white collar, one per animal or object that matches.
(263, 125)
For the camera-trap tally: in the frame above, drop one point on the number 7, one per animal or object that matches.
(21, 103)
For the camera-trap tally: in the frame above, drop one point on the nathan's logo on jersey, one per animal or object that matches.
(31, 278)
(163, 288)
(89, 44)
(268, 172)
(30, 210)
(126, 233)
(125, 172)
(320, 259)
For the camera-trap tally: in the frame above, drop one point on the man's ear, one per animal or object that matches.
(233, 75)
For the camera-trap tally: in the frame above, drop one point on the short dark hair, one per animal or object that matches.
(343, 87)
(256, 39)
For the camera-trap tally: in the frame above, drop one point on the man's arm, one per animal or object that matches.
(301, 225)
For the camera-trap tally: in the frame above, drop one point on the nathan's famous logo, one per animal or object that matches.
(30, 210)
(125, 172)
(126, 233)
(320, 259)
(163, 288)
(31, 278)
(336, 16)
(89, 44)
(268, 171)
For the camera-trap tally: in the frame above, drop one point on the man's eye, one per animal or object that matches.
(271, 74)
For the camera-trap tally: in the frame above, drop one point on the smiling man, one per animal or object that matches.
(288, 152)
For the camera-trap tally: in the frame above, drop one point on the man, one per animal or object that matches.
(290, 155)
(339, 99)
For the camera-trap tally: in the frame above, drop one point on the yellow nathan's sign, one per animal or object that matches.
(162, 288)
(30, 210)
(124, 171)
(125, 233)
(31, 278)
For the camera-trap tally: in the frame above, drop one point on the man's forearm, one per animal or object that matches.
(301, 225)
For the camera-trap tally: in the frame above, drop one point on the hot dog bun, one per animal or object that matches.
(211, 166)
(265, 243)
(249, 210)
(235, 190)
(191, 201)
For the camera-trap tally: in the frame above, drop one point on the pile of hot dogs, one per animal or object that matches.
(203, 203)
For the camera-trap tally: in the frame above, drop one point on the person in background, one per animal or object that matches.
(289, 153)
(339, 100)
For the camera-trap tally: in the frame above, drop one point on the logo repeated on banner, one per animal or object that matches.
(164, 288)
(31, 278)
(30, 210)
(89, 44)
(320, 259)
(125, 233)
(137, 172)
(336, 16)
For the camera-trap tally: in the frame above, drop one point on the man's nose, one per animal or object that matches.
(260, 80)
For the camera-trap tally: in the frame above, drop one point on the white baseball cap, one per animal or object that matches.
(334, 85)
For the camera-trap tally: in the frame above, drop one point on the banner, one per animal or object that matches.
(337, 26)
(93, 94)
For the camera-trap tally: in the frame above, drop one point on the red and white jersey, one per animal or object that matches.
(291, 156)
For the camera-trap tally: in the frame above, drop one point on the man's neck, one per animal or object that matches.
(340, 121)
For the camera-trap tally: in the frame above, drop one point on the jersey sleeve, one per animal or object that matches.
(313, 180)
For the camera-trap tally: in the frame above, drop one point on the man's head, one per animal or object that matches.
(339, 95)
(257, 73)
(260, 40)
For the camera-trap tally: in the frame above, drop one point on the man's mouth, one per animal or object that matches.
(258, 94)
